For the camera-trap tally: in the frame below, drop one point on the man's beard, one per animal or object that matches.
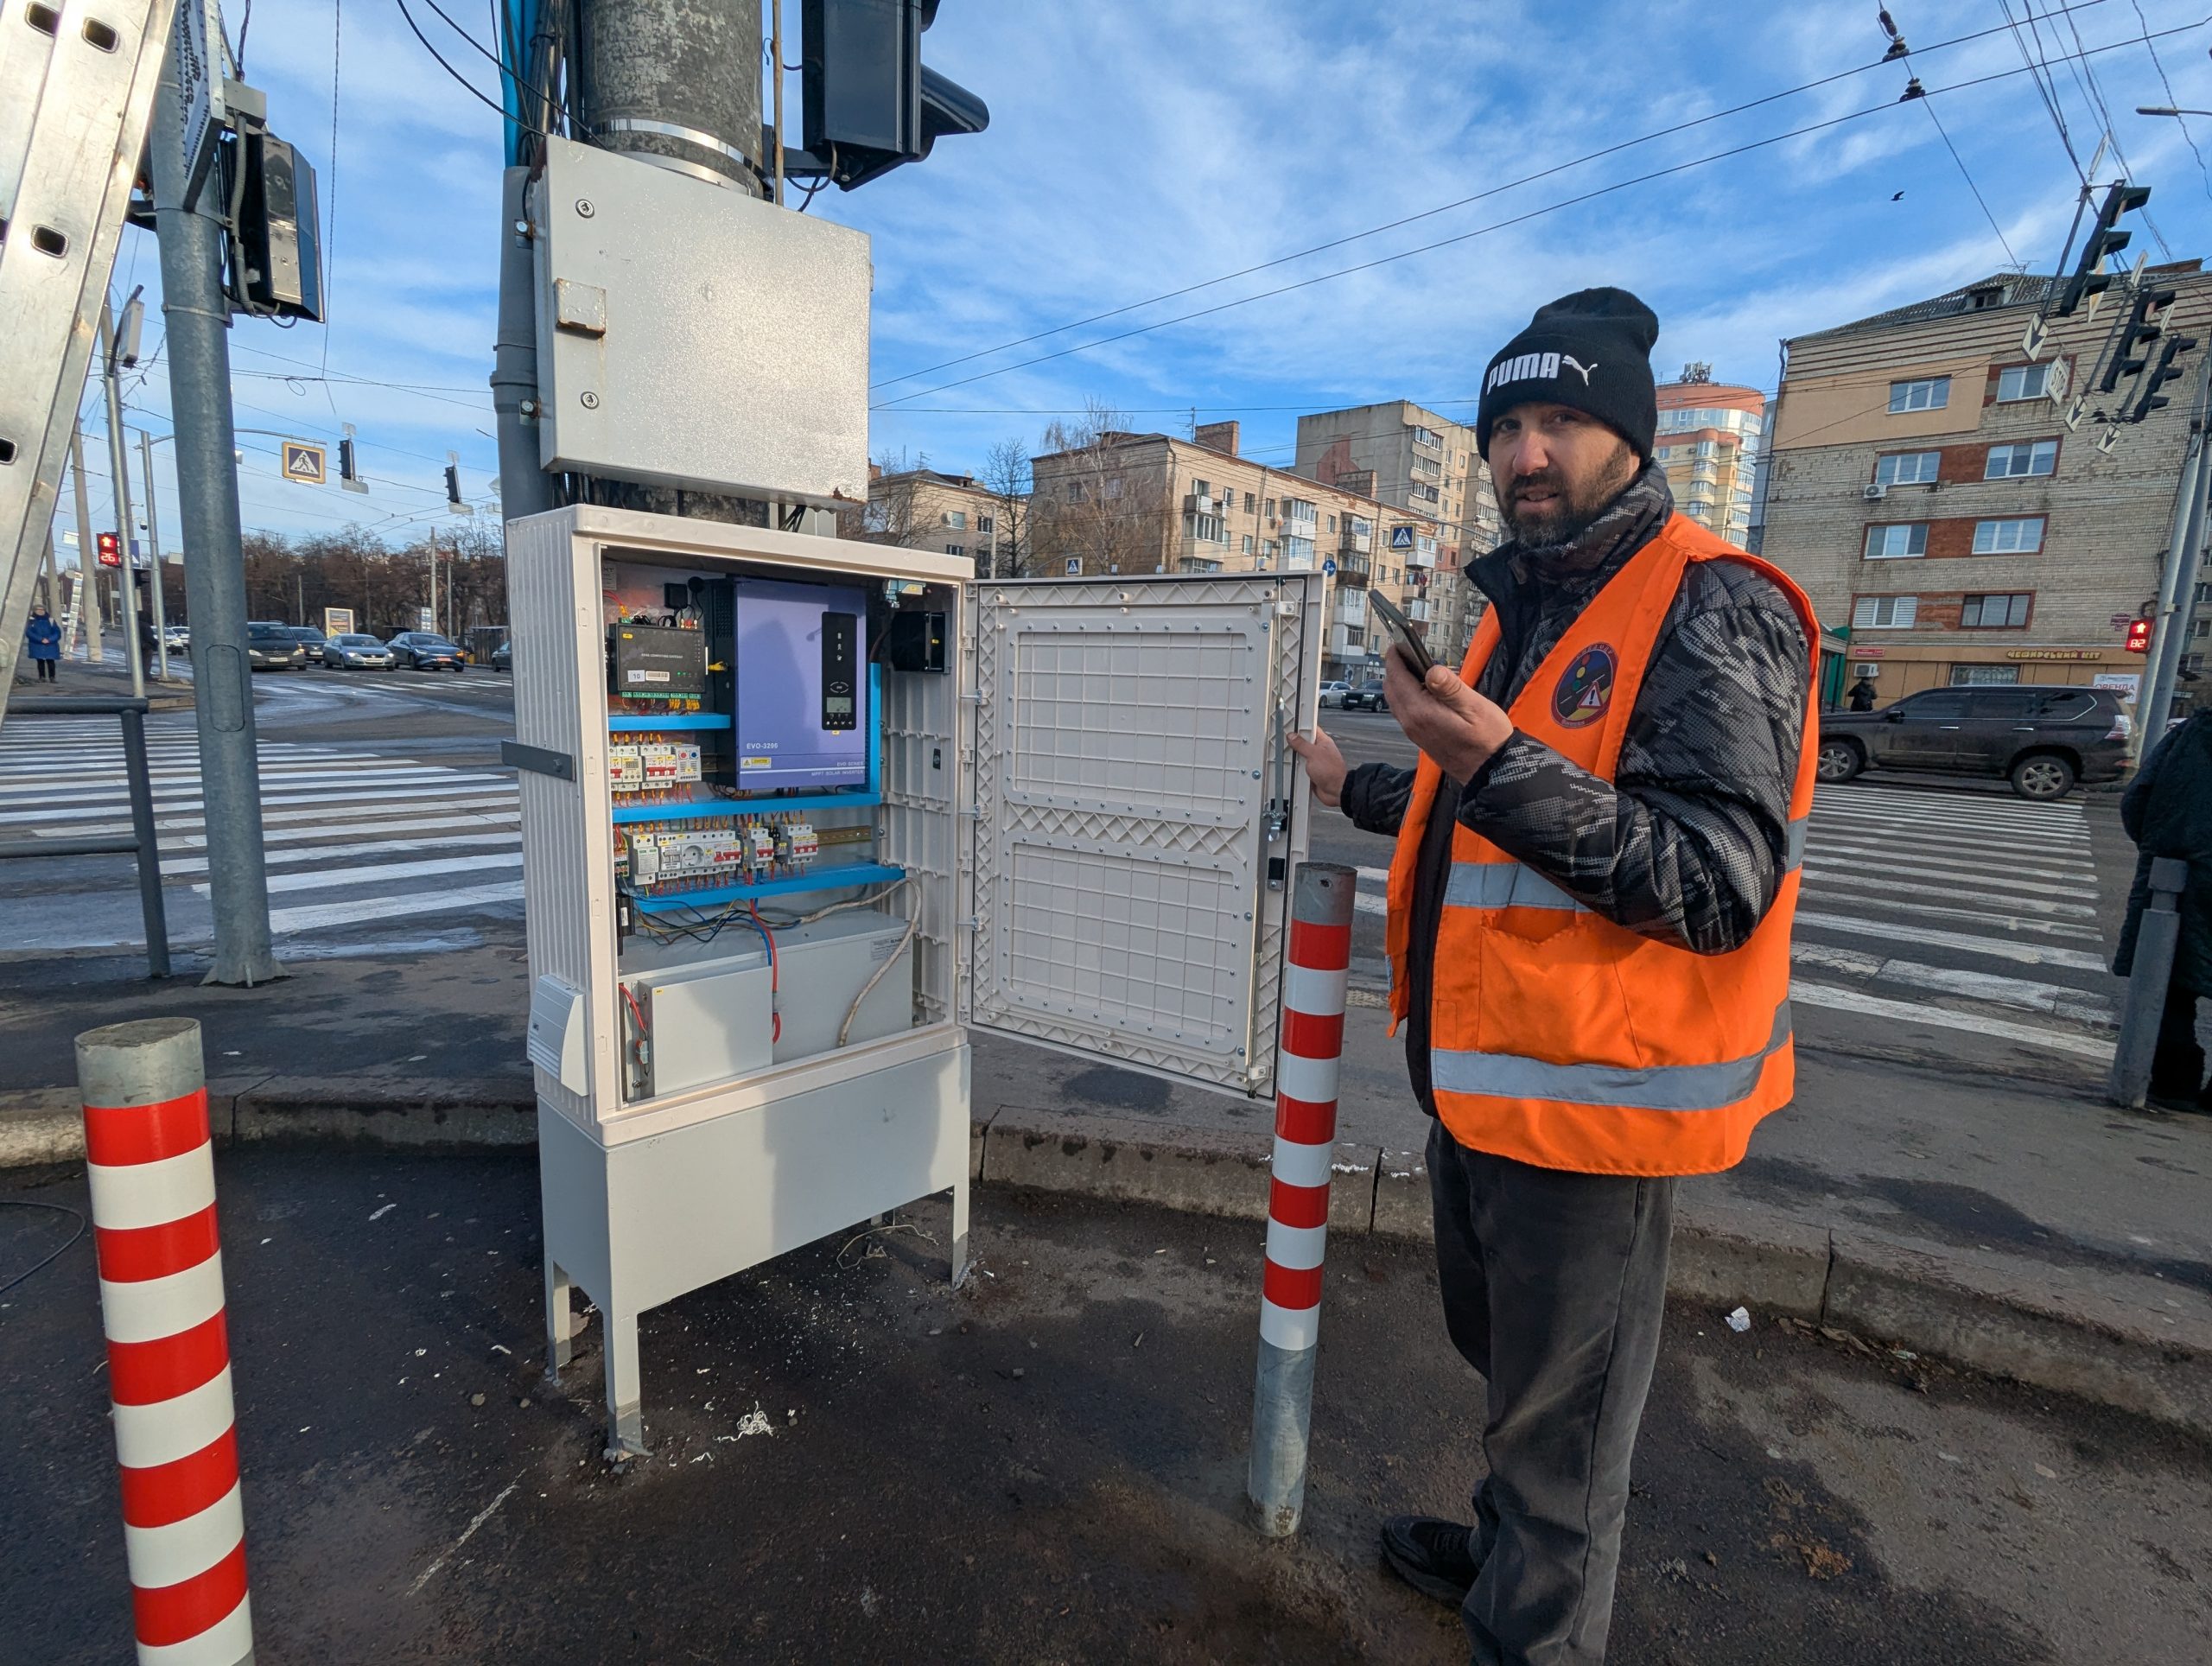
(1551, 530)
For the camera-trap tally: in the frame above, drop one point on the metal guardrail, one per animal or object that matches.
(141, 843)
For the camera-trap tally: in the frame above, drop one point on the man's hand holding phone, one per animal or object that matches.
(1443, 716)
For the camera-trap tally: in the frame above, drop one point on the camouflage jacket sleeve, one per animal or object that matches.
(1375, 797)
(1686, 845)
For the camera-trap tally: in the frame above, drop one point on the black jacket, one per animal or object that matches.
(2167, 810)
(1686, 845)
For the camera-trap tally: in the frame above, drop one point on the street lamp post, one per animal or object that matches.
(2167, 110)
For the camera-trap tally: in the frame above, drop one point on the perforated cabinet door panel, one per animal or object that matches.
(1125, 763)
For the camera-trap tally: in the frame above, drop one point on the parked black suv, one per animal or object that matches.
(2042, 737)
(1365, 696)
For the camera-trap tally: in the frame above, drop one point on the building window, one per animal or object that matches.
(955, 549)
(1332, 523)
(1897, 541)
(1428, 437)
(1982, 677)
(1299, 513)
(1994, 613)
(2020, 382)
(1248, 543)
(1884, 612)
(956, 519)
(2008, 537)
(1297, 552)
(1929, 393)
(1209, 529)
(1114, 487)
(2027, 457)
(1201, 488)
(1075, 566)
(1247, 503)
(983, 523)
(1271, 508)
(1075, 490)
(1907, 469)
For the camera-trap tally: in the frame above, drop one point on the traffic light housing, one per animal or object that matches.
(870, 104)
(2132, 351)
(2166, 370)
(453, 487)
(2105, 239)
(2139, 636)
(111, 550)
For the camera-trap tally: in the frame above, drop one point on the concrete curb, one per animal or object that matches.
(2058, 1331)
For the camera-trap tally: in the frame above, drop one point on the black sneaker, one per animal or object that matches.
(1431, 1555)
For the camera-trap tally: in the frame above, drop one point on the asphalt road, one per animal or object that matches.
(1047, 1467)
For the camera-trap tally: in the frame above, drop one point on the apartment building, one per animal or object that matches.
(1150, 502)
(925, 509)
(1708, 441)
(1408, 456)
(1926, 488)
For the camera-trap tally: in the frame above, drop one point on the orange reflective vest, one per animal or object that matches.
(1556, 1037)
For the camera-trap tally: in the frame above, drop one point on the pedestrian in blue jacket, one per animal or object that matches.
(43, 637)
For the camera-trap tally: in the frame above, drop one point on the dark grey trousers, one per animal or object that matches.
(1555, 1285)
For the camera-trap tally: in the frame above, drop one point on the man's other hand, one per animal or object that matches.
(1324, 765)
(1443, 716)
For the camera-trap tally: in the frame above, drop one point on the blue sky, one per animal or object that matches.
(1143, 147)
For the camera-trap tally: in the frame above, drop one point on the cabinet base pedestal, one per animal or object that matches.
(639, 1224)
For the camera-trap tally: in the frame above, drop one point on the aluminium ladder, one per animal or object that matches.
(77, 81)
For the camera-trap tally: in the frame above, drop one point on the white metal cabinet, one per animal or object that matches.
(1097, 815)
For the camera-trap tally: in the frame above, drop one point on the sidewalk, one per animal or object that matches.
(2021, 1227)
(79, 679)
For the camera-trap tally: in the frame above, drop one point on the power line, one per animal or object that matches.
(1483, 231)
(2085, 76)
(460, 79)
(1971, 186)
(1431, 213)
(2172, 98)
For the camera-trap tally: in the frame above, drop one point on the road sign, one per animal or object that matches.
(338, 622)
(1401, 537)
(1330, 567)
(304, 462)
(426, 618)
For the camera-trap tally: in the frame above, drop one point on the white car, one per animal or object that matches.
(1333, 695)
(178, 639)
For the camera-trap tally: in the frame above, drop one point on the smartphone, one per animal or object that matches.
(1416, 655)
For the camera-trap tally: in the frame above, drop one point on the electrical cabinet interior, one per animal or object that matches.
(825, 808)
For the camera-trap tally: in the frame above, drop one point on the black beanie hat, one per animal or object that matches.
(1591, 350)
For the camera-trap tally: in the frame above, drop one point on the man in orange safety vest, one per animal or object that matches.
(1590, 909)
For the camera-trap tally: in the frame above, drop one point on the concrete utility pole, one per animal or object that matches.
(197, 315)
(2178, 580)
(154, 549)
(118, 462)
(88, 563)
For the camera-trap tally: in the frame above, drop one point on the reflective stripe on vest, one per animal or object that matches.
(1670, 1087)
(1515, 885)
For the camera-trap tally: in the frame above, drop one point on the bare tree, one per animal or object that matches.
(1097, 497)
(890, 514)
(1005, 477)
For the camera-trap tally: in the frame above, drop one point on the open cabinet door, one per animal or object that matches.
(1135, 815)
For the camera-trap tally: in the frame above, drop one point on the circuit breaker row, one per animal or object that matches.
(649, 765)
(745, 851)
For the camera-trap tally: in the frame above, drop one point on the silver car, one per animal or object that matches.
(356, 652)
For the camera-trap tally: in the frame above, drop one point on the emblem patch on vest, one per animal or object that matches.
(1586, 687)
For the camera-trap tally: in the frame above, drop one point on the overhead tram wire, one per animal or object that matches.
(2085, 77)
(2039, 72)
(1914, 92)
(462, 81)
(1445, 208)
(1482, 231)
(2172, 98)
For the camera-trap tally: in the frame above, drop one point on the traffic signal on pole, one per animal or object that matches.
(347, 471)
(453, 488)
(2132, 353)
(2139, 636)
(111, 550)
(2104, 239)
(871, 107)
(2166, 370)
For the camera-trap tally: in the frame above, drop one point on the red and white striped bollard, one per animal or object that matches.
(1309, 1047)
(152, 1172)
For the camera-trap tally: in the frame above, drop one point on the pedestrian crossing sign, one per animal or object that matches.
(303, 462)
(1401, 537)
